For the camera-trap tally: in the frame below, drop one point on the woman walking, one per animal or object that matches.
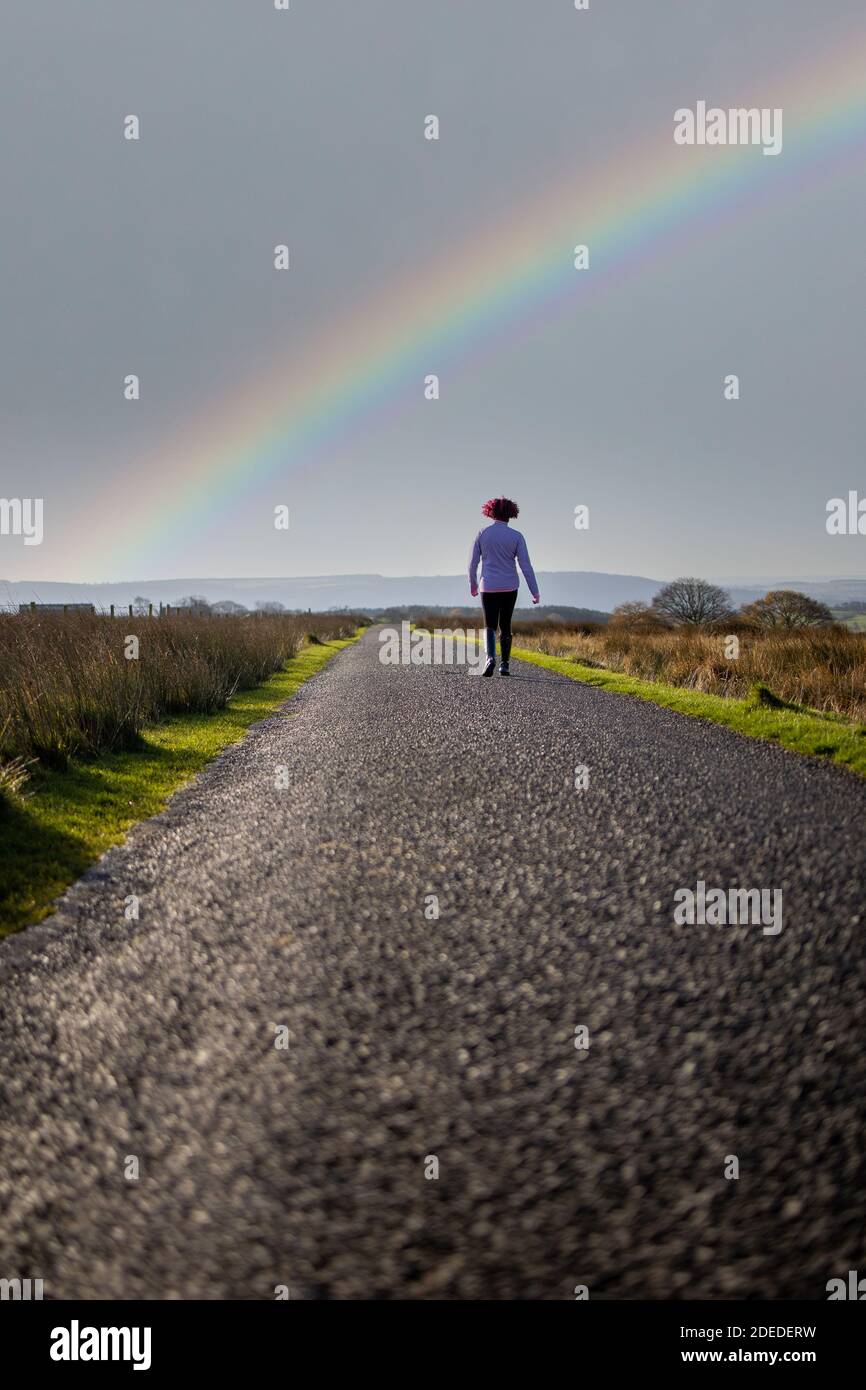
(500, 550)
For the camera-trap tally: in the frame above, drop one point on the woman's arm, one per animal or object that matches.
(474, 559)
(526, 566)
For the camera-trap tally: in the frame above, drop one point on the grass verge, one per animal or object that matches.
(762, 716)
(68, 819)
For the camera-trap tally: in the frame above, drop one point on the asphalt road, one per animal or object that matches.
(306, 907)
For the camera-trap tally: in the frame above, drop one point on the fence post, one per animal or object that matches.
(112, 610)
(150, 610)
(32, 606)
(130, 610)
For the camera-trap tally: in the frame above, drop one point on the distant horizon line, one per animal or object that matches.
(376, 574)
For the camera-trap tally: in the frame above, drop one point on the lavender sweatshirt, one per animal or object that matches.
(498, 548)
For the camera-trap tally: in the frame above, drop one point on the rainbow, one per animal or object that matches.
(509, 277)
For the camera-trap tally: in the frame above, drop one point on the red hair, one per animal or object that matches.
(500, 509)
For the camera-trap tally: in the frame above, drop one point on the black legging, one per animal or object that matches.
(498, 608)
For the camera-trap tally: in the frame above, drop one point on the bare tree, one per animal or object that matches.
(636, 616)
(227, 608)
(140, 606)
(692, 601)
(270, 606)
(787, 608)
(194, 603)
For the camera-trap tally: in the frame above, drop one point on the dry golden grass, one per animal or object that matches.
(821, 668)
(67, 688)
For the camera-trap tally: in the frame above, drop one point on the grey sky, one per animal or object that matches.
(260, 127)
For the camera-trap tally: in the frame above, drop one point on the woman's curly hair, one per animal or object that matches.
(500, 509)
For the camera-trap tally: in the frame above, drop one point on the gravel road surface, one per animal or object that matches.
(291, 887)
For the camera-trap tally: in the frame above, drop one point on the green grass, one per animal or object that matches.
(67, 819)
(855, 621)
(763, 716)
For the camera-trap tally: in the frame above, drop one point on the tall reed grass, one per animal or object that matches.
(68, 688)
(823, 668)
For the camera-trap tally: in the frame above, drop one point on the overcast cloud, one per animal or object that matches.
(259, 127)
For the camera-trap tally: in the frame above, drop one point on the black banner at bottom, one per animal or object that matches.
(164, 1339)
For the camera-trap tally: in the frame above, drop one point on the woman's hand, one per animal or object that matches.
(536, 598)
(474, 593)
